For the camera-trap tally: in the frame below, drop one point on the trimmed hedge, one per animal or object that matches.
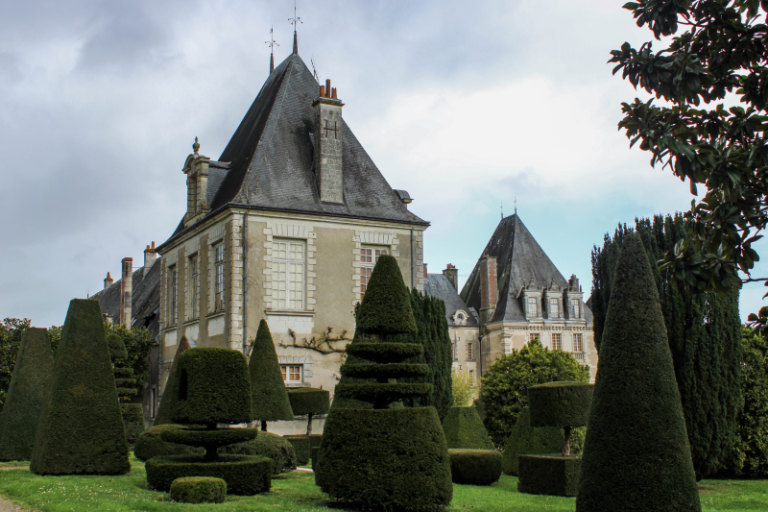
(270, 398)
(560, 404)
(245, 475)
(150, 444)
(201, 437)
(554, 475)
(525, 439)
(123, 373)
(30, 381)
(168, 398)
(384, 352)
(382, 393)
(199, 489)
(475, 467)
(213, 386)
(133, 421)
(386, 370)
(117, 350)
(464, 429)
(636, 455)
(81, 427)
(386, 307)
(309, 401)
(303, 447)
(267, 444)
(385, 459)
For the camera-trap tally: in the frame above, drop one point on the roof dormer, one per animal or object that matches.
(196, 169)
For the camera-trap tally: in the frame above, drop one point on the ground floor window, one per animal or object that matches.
(293, 374)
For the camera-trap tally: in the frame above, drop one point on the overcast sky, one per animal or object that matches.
(467, 105)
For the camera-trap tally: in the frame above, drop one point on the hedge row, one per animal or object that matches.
(475, 467)
(199, 489)
(150, 444)
(464, 429)
(245, 475)
(552, 475)
(267, 444)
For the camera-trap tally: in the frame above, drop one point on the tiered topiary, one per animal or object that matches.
(636, 454)
(213, 386)
(199, 489)
(30, 381)
(555, 404)
(150, 444)
(267, 444)
(526, 439)
(270, 398)
(80, 430)
(309, 402)
(385, 458)
(133, 414)
(163, 415)
(464, 429)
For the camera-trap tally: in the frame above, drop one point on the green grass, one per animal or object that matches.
(295, 492)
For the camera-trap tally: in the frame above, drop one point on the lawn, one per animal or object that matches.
(297, 492)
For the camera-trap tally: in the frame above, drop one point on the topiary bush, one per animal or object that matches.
(245, 475)
(117, 350)
(170, 392)
(475, 467)
(267, 444)
(560, 404)
(526, 439)
(309, 401)
(199, 489)
(270, 398)
(464, 429)
(303, 447)
(551, 475)
(150, 444)
(81, 430)
(133, 421)
(30, 381)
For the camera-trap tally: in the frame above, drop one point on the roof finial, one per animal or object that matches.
(501, 207)
(196, 146)
(295, 22)
(271, 43)
(515, 205)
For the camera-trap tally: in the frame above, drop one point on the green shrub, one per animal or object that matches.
(199, 489)
(81, 428)
(117, 350)
(526, 439)
(150, 444)
(385, 459)
(30, 381)
(309, 401)
(133, 421)
(270, 398)
(386, 307)
(315, 451)
(245, 475)
(267, 444)
(553, 475)
(303, 447)
(168, 398)
(636, 436)
(464, 429)
(475, 467)
(560, 404)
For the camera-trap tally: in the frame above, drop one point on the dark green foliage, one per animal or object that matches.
(245, 475)
(26, 395)
(133, 413)
(11, 331)
(150, 444)
(117, 350)
(309, 401)
(383, 353)
(270, 398)
(505, 384)
(315, 451)
(267, 444)
(211, 440)
(386, 307)
(560, 404)
(526, 439)
(388, 370)
(463, 428)
(382, 393)
(704, 337)
(303, 447)
(139, 342)
(123, 373)
(133, 421)
(475, 467)
(163, 415)
(81, 430)
(554, 475)
(199, 489)
(213, 387)
(385, 459)
(636, 437)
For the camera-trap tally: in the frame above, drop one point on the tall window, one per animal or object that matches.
(578, 347)
(557, 343)
(534, 336)
(554, 308)
(292, 374)
(218, 277)
(575, 308)
(472, 378)
(368, 258)
(194, 286)
(533, 310)
(172, 295)
(469, 352)
(288, 275)
(453, 351)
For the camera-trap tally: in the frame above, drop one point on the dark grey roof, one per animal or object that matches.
(145, 300)
(271, 158)
(437, 285)
(520, 260)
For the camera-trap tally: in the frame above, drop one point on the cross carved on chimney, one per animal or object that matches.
(329, 129)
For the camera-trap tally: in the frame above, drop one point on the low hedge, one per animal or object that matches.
(553, 475)
(464, 429)
(475, 467)
(303, 447)
(525, 439)
(202, 437)
(150, 444)
(385, 352)
(267, 444)
(245, 475)
(133, 421)
(560, 404)
(199, 489)
(384, 370)
(309, 401)
(375, 392)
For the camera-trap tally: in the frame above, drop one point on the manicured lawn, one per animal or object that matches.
(297, 492)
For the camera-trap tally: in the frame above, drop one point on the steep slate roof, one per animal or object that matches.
(270, 158)
(519, 260)
(437, 285)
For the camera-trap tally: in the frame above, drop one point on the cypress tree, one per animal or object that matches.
(270, 398)
(30, 381)
(163, 416)
(704, 337)
(636, 454)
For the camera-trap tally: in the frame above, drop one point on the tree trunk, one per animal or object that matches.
(567, 442)
(309, 423)
(263, 425)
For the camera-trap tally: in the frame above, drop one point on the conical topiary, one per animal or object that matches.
(81, 429)
(464, 429)
(636, 454)
(270, 398)
(163, 415)
(30, 381)
(386, 307)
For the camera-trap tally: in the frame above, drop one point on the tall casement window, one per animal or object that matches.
(293, 374)
(194, 286)
(534, 336)
(554, 308)
(533, 309)
(470, 355)
(578, 347)
(368, 258)
(557, 343)
(172, 294)
(288, 277)
(575, 309)
(218, 277)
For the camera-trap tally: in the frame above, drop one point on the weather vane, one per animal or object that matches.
(271, 43)
(295, 22)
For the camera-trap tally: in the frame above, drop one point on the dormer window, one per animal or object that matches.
(532, 309)
(460, 317)
(575, 308)
(554, 308)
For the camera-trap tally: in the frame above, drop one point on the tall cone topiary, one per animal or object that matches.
(163, 416)
(270, 398)
(636, 454)
(26, 394)
(80, 430)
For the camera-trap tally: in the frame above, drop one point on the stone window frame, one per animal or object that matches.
(556, 341)
(385, 249)
(193, 285)
(298, 231)
(218, 263)
(290, 262)
(173, 292)
(376, 238)
(303, 361)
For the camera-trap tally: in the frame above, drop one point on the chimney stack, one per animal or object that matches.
(150, 255)
(108, 281)
(489, 288)
(126, 311)
(452, 273)
(328, 145)
(425, 270)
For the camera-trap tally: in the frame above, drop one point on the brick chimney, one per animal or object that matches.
(150, 255)
(328, 145)
(425, 270)
(126, 287)
(452, 273)
(108, 281)
(489, 288)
